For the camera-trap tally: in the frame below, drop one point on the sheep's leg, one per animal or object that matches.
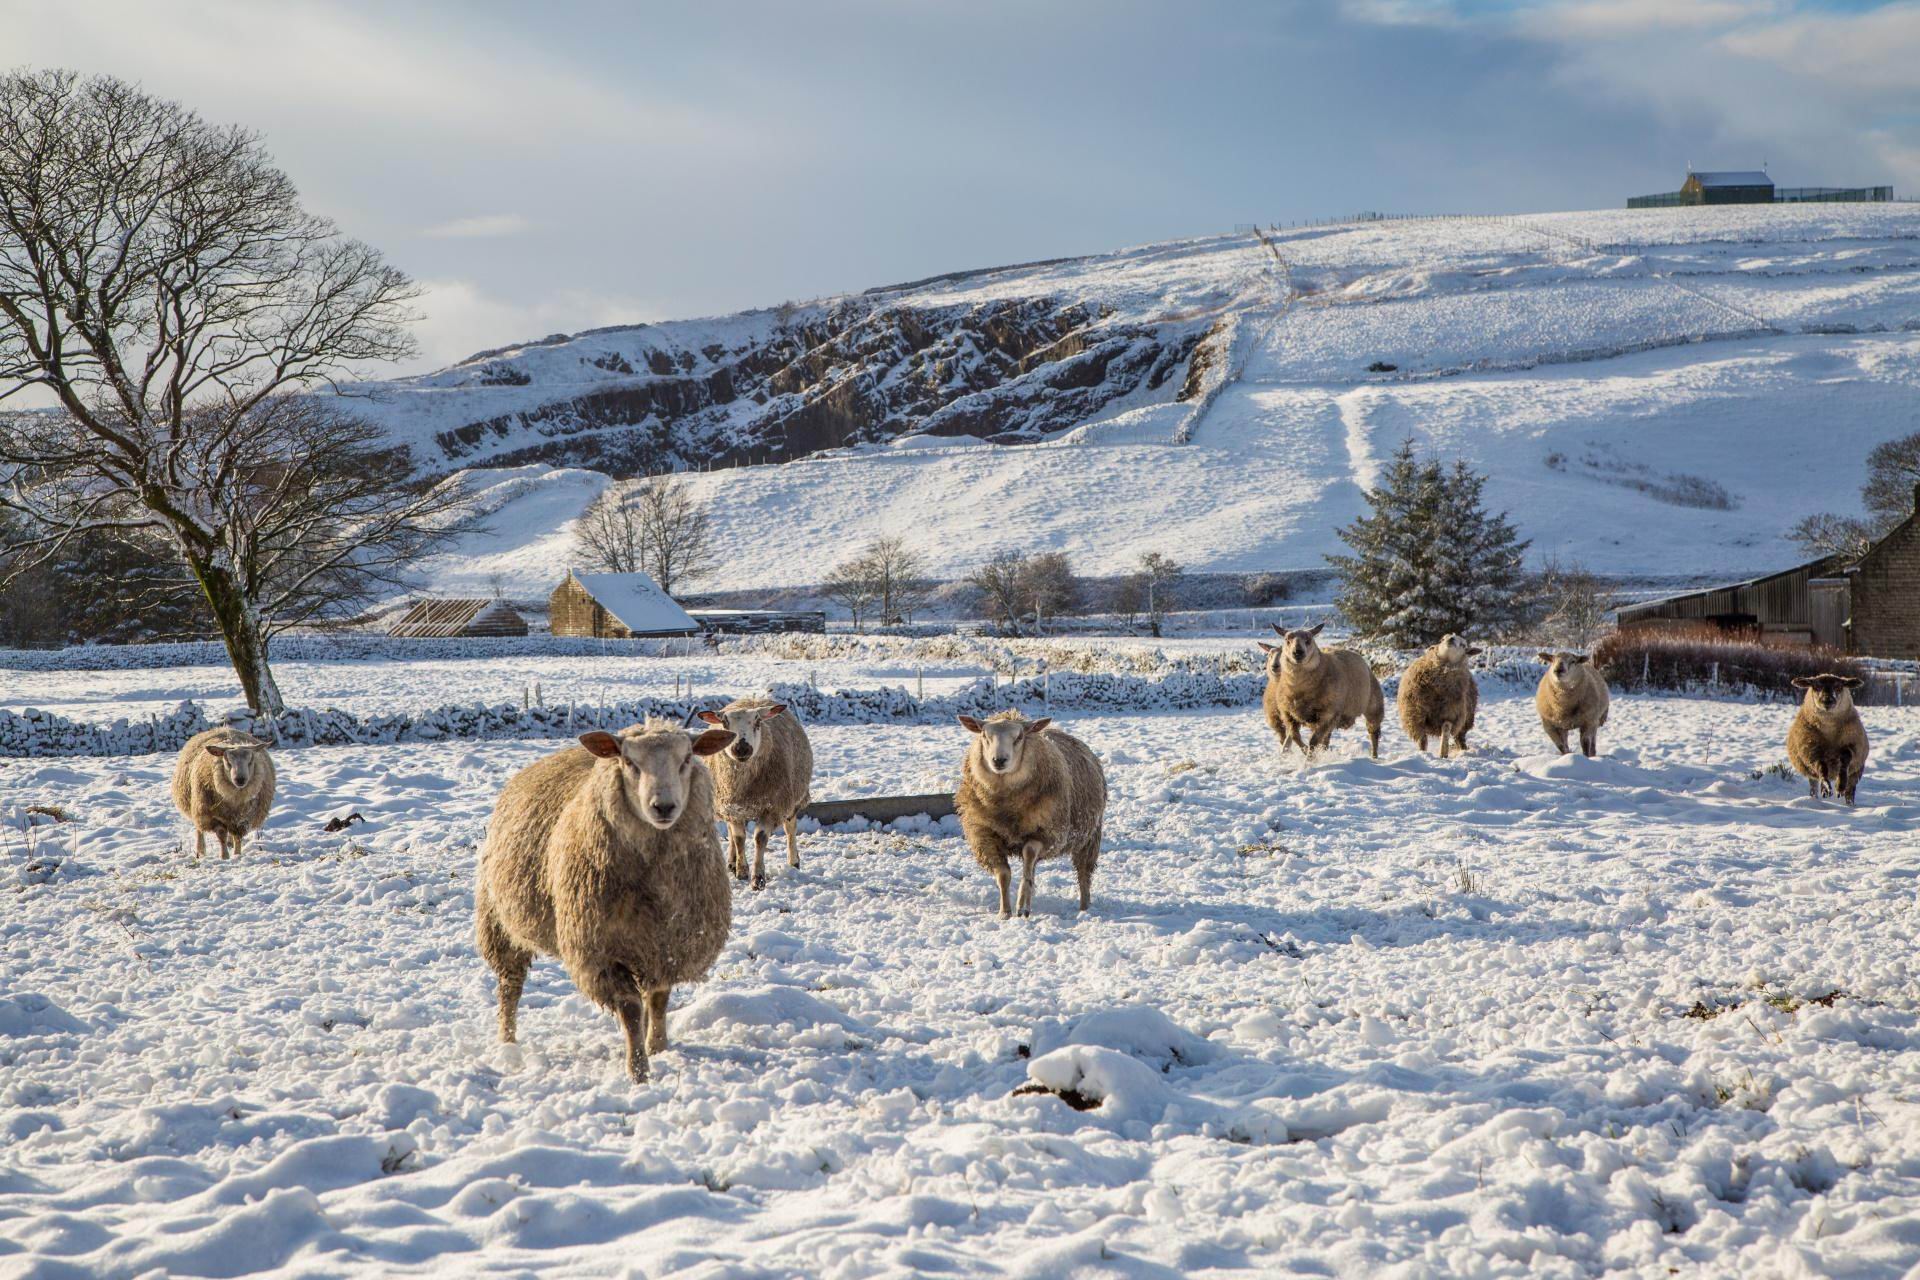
(1028, 857)
(1322, 735)
(759, 855)
(657, 1020)
(509, 964)
(1373, 738)
(199, 845)
(1844, 778)
(793, 839)
(737, 849)
(1423, 744)
(221, 836)
(1558, 737)
(1293, 737)
(1589, 743)
(1446, 738)
(1083, 871)
(1813, 788)
(1003, 877)
(633, 1021)
(239, 838)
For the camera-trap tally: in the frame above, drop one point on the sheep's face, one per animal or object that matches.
(1828, 694)
(1003, 742)
(1298, 649)
(1453, 650)
(240, 765)
(1563, 667)
(747, 725)
(656, 768)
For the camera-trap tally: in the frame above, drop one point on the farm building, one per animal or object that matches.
(1752, 186)
(1779, 606)
(758, 621)
(1870, 607)
(616, 606)
(438, 619)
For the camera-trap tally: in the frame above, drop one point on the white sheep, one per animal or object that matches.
(223, 782)
(764, 777)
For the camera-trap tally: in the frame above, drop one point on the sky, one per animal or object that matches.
(544, 168)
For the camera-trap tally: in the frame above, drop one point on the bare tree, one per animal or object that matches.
(854, 584)
(1159, 572)
(900, 576)
(1574, 602)
(160, 279)
(1128, 599)
(676, 538)
(1048, 588)
(607, 538)
(1889, 496)
(1000, 587)
(1827, 534)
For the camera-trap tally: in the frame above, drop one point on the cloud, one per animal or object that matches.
(1857, 53)
(484, 226)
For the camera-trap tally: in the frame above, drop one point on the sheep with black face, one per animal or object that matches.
(1827, 742)
(605, 856)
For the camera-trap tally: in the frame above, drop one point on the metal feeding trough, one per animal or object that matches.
(937, 804)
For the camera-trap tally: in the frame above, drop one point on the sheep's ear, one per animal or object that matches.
(601, 743)
(1316, 628)
(1267, 648)
(713, 740)
(1473, 652)
(1545, 657)
(214, 751)
(1278, 629)
(773, 711)
(1852, 682)
(712, 717)
(1036, 726)
(1801, 682)
(1577, 658)
(972, 725)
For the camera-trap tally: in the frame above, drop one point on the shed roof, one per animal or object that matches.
(441, 617)
(1734, 178)
(637, 603)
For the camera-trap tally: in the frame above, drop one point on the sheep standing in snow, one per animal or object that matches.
(1030, 792)
(1571, 695)
(763, 777)
(1438, 697)
(1319, 689)
(1827, 742)
(605, 855)
(223, 782)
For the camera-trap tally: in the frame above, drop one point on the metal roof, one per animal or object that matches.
(637, 603)
(1734, 178)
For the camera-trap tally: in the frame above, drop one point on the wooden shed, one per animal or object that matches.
(1779, 606)
(616, 606)
(438, 619)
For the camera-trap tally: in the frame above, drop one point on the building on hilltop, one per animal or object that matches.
(616, 606)
(1753, 186)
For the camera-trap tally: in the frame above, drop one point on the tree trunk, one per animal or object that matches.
(245, 638)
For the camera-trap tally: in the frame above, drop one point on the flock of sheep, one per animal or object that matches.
(606, 855)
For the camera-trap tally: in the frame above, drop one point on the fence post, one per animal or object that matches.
(1713, 676)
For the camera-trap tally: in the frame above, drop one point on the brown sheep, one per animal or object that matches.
(1321, 689)
(223, 781)
(1030, 792)
(764, 778)
(1438, 697)
(1571, 695)
(1827, 742)
(605, 855)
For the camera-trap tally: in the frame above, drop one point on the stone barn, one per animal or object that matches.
(1880, 594)
(616, 606)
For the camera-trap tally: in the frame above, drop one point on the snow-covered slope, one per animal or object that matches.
(1654, 392)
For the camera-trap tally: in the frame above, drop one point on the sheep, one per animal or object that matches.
(223, 782)
(1031, 792)
(763, 778)
(1571, 695)
(1827, 742)
(1322, 689)
(605, 856)
(1438, 697)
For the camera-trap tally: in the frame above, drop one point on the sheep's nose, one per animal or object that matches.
(999, 762)
(662, 810)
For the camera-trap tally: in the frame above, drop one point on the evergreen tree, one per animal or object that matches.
(1428, 558)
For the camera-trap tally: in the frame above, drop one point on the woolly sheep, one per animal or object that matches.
(1571, 695)
(605, 855)
(1031, 792)
(223, 781)
(1438, 697)
(763, 777)
(1320, 689)
(1827, 742)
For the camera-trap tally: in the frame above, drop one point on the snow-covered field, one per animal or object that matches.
(1600, 367)
(1501, 1015)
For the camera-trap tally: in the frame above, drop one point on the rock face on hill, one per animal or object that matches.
(997, 356)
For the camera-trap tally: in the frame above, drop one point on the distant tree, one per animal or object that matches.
(1826, 534)
(1573, 603)
(900, 577)
(652, 526)
(999, 588)
(1128, 599)
(854, 584)
(1048, 588)
(1893, 470)
(161, 281)
(1428, 558)
(1159, 573)
(607, 538)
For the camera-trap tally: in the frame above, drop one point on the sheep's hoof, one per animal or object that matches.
(759, 882)
(638, 1071)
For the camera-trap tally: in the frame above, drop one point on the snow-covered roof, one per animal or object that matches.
(1735, 178)
(637, 603)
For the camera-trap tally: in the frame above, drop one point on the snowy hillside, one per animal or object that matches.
(1655, 392)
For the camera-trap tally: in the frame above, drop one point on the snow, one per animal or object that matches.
(1643, 349)
(1509, 1014)
(637, 603)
